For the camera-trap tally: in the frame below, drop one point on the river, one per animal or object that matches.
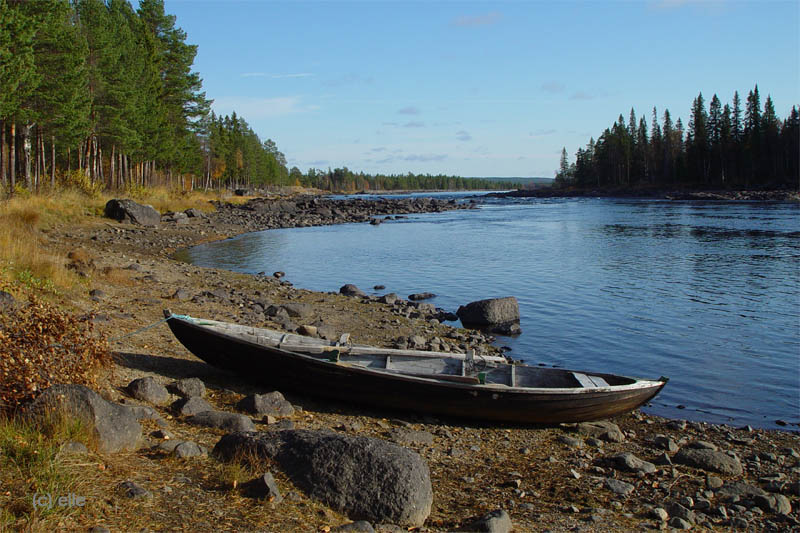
(706, 293)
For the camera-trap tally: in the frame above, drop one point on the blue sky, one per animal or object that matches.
(472, 88)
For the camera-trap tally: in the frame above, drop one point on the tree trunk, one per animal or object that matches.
(3, 157)
(111, 167)
(100, 164)
(53, 162)
(12, 158)
(26, 148)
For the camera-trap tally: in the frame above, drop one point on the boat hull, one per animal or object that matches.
(318, 377)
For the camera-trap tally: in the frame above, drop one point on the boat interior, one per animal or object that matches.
(467, 368)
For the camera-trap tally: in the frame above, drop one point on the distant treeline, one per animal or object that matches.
(343, 179)
(723, 147)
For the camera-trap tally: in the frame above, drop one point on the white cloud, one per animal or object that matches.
(299, 75)
(411, 110)
(463, 135)
(255, 108)
(414, 124)
(254, 74)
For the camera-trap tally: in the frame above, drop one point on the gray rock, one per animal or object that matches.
(713, 482)
(126, 210)
(7, 301)
(665, 443)
(181, 295)
(187, 449)
(496, 521)
(738, 490)
(572, 442)
(659, 514)
(194, 213)
(361, 526)
(351, 290)
(148, 390)
(489, 312)
(271, 403)
(679, 523)
(188, 388)
(114, 427)
(298, 310)
(362, 477)
(390, 298)
(168, 445)
(417, 341)
(709, 460)
(617, 486)
(774, 503)
(604, 430)
(264, 486)
(627, 462)
(143, 412)
(421, 296)
(190, 406)
(133, 491)
(222, 420)
(99, 529)
(679, 511)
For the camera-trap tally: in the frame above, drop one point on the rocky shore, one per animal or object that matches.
(632, 473)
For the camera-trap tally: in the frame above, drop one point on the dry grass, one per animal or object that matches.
(26, 265)
(31, 464)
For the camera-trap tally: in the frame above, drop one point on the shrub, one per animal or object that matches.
(78, 180)
(43, 346)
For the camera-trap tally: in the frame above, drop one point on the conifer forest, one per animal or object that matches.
(723, 147)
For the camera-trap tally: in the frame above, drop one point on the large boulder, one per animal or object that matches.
(493, 313)
(126, 210)
(114, 426)
(362, 477)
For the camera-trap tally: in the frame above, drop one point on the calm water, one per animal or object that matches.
(705, 293)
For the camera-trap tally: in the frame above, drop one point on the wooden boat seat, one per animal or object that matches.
(590, 382)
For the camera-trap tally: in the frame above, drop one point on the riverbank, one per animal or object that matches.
(557, 479)
(655, 194)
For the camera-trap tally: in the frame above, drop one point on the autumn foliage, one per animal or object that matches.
(41, 346)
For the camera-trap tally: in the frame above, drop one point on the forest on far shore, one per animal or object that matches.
(723, 147)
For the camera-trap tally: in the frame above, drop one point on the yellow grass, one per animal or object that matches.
(25, 263)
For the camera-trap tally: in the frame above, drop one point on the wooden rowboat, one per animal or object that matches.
(462, 385)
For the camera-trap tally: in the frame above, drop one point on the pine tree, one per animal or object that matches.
(18, 79)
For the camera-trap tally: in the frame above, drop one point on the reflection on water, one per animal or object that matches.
(707, 294)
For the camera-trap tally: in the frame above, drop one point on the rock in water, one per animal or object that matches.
(362, 477)
(114, 426)
(494, 313)
(126, 210)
